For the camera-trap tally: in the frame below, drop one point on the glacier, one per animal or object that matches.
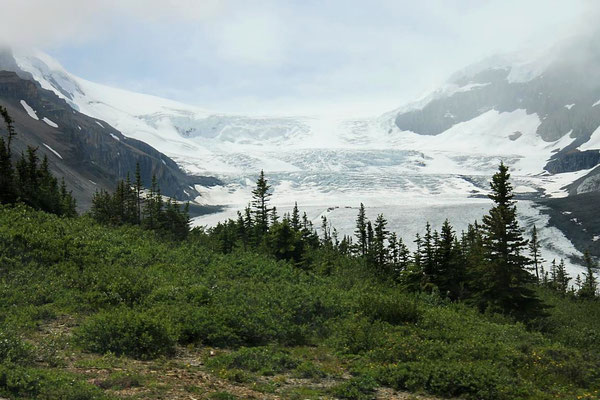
(330, 165)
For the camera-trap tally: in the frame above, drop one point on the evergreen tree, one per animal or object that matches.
(242, 231)
(10, 130)
(8, 191)
(393, 250)
(361, 231)
(274, 216)
(345, 246)
(260, 202)
(102, 209)
(68, 204)
(562, 277)
(138, 192)
(335, 237)
(505, 278)
(417, 254)
(380, 251)
(403, 255)
(590, 284)
(370, 241)
(151, 206)
(535, 252)
(549, 280)
(428, 255)
(282, 241)
(7, 179)
(451, 271)
(295, 221)
(326, 229)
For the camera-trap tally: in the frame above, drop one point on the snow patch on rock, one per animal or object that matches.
(29, 110)
(50, 122)
(54, 151)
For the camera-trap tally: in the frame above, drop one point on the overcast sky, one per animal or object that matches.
(287, 57)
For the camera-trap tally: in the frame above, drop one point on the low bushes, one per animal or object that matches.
(394, 308)
(357, 388)
(138, 297)
(31, 383)
(124, 331)
(262, 360)
(12, 348)
(478, 380)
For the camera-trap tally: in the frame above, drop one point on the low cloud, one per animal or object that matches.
(301, 53)
(43, 23)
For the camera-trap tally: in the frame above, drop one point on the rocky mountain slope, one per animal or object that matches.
(88, 152)
(561, 87)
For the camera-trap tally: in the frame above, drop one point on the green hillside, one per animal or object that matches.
(90, 311)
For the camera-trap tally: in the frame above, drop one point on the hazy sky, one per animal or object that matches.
(278, 56)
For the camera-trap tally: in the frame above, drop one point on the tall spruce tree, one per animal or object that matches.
(504, 283)
(361, 231)
(380, 251)
(138, 191)
(10, 130)
(451, 271)
(590, 284)
(428, 255)
(535, 253)
(295, 221)
(7, 177)
(260, 202)
(562, 277)
(370, 243)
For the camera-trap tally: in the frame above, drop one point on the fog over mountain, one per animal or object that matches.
(292, 57)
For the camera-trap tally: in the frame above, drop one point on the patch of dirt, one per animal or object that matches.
(184, 376)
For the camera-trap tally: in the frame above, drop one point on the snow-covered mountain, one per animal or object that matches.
(539, 114)
(87, 152)
(559, 92)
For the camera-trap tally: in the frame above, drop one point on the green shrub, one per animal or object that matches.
(23, 382)
(124, 331)
(263, 360)
(235, 375)
(394, 308)
(12, 348)
(309, 370)
(481, 380)
(357, 388)
(357, 334)
(222, 396)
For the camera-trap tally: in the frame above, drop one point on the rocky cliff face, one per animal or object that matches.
(89, 153)
(564, 93)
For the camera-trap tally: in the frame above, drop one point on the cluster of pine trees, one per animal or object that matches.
(490, 265)
(29, 181)
(130, 205)
(259, 227)
(557, 278)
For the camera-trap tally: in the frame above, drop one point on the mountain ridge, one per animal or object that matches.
(89, 153)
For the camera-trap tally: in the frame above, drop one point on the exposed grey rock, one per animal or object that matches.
(94, 154)
(562, 95)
